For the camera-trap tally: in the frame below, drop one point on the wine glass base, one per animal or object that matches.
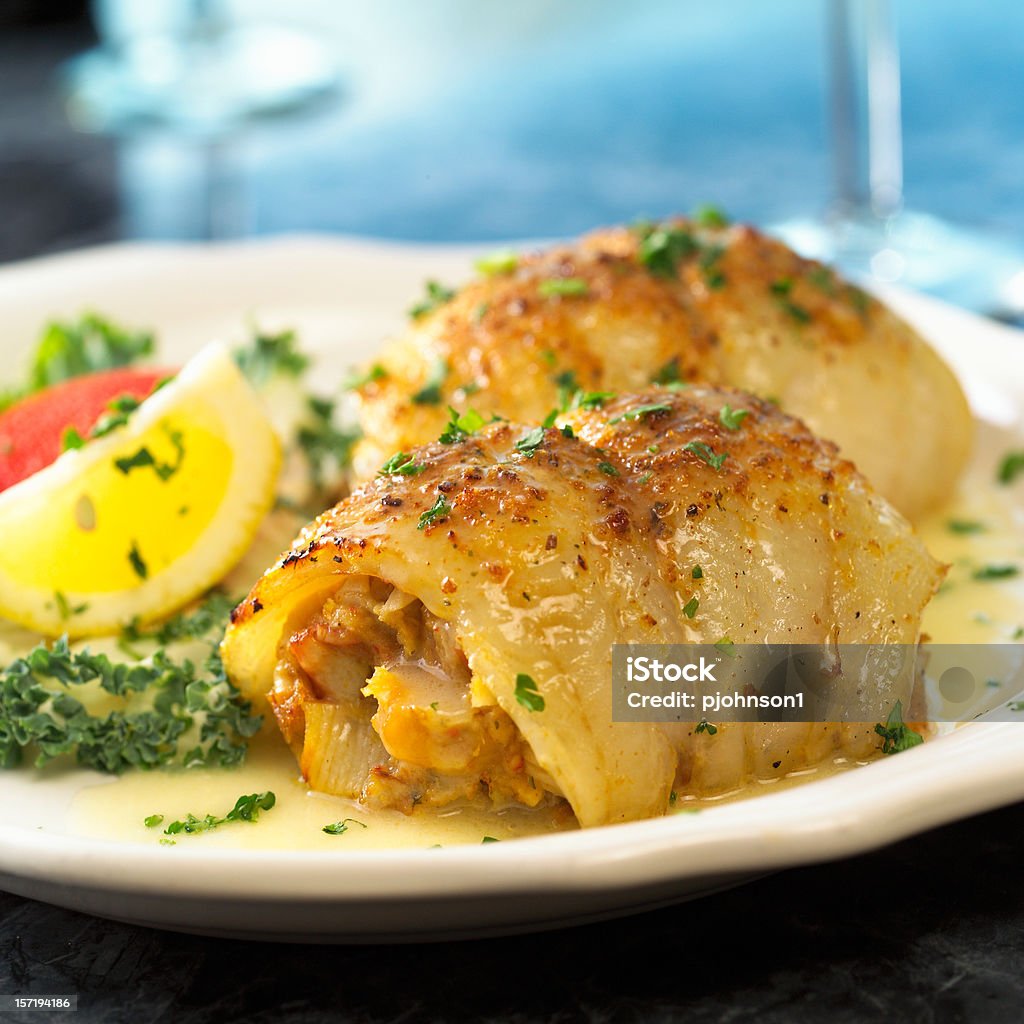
(199, 86)
(967, 267)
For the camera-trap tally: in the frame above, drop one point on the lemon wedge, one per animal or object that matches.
(144, 519)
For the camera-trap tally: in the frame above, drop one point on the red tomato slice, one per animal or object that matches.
(31, 430)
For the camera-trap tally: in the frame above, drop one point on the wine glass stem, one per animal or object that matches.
(866, 108)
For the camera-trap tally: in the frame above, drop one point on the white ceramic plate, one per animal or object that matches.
(343, 297)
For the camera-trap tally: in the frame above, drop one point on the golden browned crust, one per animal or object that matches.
(737, 308)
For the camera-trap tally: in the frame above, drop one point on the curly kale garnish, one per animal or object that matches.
(83, 346)
(199, 623)
(174, 713)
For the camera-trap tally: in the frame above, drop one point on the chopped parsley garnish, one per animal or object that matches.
(965, 526)
(530, 442)
(668, 374)
(823, 279)
(781, 290)
(460, 425)
(645, 478)
(137, 562)
(153, 820)
(119, 409)
(568, 385)
(436, 295)
(642, 410)
(705, 726)
(590, 399)
(169, 712)
(795, 311)
(726, 647)
(143, 459)
(706, 453)
(731, 418)
(65, 608)
(858, 299)
(247, 808)
(896, 735)
(271, 355)
(400, 464)
(1011, 466)
(371, 375)
(489, 839)
(71, 440)
(691, 606)
(708, 216)
(696, 573)
(608, 469)
(339, 828)
(326, 446)
(662, 249)
(996, 572)
(527, 693)
(708, 262)
(563, 286)
(504, 261)
(430, 393)
(439, 511)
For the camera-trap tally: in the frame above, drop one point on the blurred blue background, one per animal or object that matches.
(461, 120)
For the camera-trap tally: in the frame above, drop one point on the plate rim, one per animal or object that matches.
(987, 773)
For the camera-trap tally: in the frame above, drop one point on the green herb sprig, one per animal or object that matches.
(461, 425)
(271, 355)
(339, 828)
(528, 694)
(706, 453)
(641, 411)
(247, 808)
(440, 510)
(436, 296)
(896, 735)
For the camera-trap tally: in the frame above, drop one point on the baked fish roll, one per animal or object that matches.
(507, 344)
(445, 633)
(624, 308)
(768, 536)
(792, 543)
(794, 331)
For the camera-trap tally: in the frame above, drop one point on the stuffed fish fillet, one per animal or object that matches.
(445, 633)
(622, 309)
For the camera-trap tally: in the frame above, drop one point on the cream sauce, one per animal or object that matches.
(117, 809)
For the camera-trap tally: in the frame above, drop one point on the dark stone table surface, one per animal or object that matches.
(929, 930)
